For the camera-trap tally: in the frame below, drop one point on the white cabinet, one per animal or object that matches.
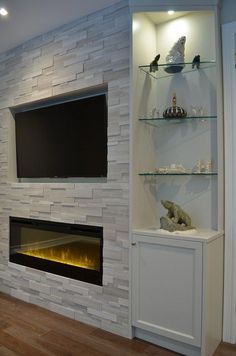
(177, 290)
(168, 288)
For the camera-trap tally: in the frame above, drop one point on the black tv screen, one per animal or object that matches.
(63, 140)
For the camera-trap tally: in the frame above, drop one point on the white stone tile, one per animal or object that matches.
(20, 295)
(70, 313)
(79, 316)
(61, 62)
(102, 314)
(40, 287)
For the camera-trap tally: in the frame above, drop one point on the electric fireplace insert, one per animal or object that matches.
(69, 250)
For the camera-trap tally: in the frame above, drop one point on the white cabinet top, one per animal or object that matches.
(193, 235)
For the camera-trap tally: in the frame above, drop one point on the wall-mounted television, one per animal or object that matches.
(62, 140)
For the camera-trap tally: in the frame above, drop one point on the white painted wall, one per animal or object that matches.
(144, 50)
(198, 27)
(229, 45)
(228, 11)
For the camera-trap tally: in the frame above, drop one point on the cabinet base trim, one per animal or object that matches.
(167, 343)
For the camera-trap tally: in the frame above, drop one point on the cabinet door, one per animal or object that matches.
(167, 287)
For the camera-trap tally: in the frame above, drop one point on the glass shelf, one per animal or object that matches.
(160, 71)
(150, 174)
(156, 120)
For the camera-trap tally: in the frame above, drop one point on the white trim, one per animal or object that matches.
(163, 5)
(228, 42)
(186, 3)
(167, 343)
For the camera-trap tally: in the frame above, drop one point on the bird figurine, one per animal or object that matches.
(196, 61)
(154, 63)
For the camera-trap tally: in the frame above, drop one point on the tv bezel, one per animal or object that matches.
(61, 102)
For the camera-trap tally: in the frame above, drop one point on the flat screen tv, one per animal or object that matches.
(68, 139)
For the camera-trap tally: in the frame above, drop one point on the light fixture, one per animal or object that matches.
(3, 12)
(136, 25)
(170, 12)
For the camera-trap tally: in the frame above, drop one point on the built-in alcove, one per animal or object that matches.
(69, 250)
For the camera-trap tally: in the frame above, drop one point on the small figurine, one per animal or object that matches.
(193, 110)
(197, 111)
(198, 166)
(152, 113)
(172, 168)
(196, 61)
(176, 219)
(208, 168)
(174, 111)
(154, 63)
(200, 111)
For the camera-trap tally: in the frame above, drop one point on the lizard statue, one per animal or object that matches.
(176, 219)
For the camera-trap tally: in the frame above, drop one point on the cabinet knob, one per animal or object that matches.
(133, 243)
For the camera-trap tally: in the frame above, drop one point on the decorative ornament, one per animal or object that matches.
(176, 219)
(208, 168)
(196, 61)
(174, 111)
(176, 56)
(172, 168)
(154, 64)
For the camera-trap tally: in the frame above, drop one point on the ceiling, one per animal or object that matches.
(160, 17)
(30, 18)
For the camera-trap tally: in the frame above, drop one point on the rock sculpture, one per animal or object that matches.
(176, 56)
(176, 219)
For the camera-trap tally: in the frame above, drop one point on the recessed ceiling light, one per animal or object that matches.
(3, 11)
(171, 12)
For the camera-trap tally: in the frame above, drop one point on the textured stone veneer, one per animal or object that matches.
(91, 51)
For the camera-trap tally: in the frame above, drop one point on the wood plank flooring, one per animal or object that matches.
(28, 330)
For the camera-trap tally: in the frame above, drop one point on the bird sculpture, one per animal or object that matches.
(154, 63)
(196, 61)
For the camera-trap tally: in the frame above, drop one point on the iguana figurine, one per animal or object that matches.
(176, 219)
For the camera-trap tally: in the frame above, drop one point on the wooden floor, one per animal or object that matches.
(28, 330)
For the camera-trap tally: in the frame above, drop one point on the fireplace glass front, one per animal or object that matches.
(69, 250)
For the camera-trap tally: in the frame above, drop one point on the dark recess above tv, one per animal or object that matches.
(65, 139)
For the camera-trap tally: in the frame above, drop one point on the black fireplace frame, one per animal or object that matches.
(69, 271)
